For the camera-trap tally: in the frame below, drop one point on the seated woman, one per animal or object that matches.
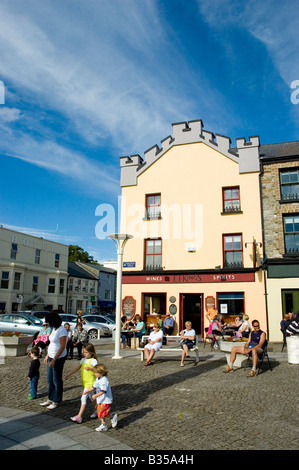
(42, 340)
(153, 345)
(140, 329)
(217, 326)
(187, 341)
(244, 329)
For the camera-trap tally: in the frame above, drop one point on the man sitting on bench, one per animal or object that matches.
(168, 325)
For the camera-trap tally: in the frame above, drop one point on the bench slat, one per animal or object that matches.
(166, 349)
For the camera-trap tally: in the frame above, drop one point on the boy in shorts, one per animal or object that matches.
(103, 396)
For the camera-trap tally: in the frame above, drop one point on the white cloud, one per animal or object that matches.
(54, 157)
(45, 233)
(84, 65)
(274, 24)
(8, 115)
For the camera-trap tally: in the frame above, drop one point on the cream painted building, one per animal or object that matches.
(193, 207)
(33, 272)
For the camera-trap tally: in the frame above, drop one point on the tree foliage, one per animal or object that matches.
(76, 253)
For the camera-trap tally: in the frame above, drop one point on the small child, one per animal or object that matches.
(33, 374)
(103, 396)
(86, 365)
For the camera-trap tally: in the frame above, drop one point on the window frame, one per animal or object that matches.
(13, 250)
(4, 280)
(287, 198)
(155, 214)
(34, 284)
(154, 267)
(37, 256)
(51, 285)
(231, 210)
(57, 260)
(293, 233)
(232, 250)
(17, 282)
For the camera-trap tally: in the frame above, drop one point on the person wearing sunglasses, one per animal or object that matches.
(255, 344)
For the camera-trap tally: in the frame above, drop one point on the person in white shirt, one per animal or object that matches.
(103, 396)
(187, 340)
(55, 360)
(154, 344)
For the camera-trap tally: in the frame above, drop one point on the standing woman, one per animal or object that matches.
(55, 360)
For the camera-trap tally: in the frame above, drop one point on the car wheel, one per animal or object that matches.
(93, 334)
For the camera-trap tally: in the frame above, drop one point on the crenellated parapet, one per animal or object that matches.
(246, 154)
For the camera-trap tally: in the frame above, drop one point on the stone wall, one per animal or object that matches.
(274, 209)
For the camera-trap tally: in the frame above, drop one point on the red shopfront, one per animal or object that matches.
(185, 295)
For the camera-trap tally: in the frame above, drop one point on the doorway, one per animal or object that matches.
(191, 310)
(290, 300)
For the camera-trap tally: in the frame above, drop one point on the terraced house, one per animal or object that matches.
(280, 202)
(193, 206)
(33, 272)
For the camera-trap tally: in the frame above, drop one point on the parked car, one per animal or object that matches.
(102, 320)
(41, 314)
(94, 330)
(111, 316)
(22, 323)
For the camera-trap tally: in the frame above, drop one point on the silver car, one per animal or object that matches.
(21, 323)
(94, 330)
(100, 320)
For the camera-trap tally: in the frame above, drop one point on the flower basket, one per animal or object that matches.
(14, 344)
(226, 347)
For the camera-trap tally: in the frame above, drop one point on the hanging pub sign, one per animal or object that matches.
(129, 307)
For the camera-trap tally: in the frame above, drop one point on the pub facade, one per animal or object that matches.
(193, 208)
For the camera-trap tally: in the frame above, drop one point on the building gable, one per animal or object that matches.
(246, 154)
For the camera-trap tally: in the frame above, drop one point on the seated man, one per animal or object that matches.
(153, 345)
(293, 327)
(254, 345)
(168, 325)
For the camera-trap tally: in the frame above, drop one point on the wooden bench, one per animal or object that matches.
(171, 340)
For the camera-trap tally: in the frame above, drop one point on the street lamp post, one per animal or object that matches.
(120, 239)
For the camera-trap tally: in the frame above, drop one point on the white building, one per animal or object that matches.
(82, 287)
(33, 272)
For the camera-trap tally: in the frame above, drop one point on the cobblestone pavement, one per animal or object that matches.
(167, 407)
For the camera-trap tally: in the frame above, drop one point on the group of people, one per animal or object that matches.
(94, 379)
(137, 328)
(239, 328)
(155, 342)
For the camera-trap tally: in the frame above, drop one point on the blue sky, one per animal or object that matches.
(88, 81)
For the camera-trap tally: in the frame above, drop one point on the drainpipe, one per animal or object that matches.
(264, 264)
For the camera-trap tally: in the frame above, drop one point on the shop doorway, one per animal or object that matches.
(191, 310)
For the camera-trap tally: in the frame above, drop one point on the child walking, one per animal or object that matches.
(86, 365)
(103, 397)
(33, 374)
